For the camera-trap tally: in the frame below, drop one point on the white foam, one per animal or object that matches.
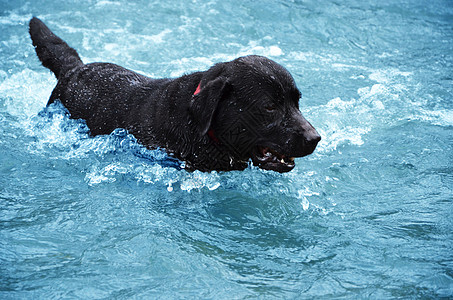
(97, 176)
(387, 76)
(349, 121)
(255, 48)
(343, 66)
(442, 117)
(103, 3)
(14, 19)
(27, 92)
(157, 38)
(343, 122)
(201, 63)
(315, 58)
(303, 195)
(200, 180)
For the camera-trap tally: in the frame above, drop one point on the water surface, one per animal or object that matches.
(368, 215)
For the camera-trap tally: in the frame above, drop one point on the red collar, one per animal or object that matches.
(197, 91)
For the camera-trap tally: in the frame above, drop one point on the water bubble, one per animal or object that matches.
(305, 203)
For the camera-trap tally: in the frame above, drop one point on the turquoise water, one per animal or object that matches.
(368, 215)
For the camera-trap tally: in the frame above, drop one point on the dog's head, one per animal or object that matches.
(251, 107)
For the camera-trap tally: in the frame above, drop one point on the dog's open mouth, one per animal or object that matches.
(269, 159)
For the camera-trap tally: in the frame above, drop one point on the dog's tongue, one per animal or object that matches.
(272, 156)
(267, 154)
(269, 159)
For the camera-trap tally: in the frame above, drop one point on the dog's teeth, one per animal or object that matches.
(282, 161)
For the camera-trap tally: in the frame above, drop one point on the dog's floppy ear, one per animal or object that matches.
(206, 99)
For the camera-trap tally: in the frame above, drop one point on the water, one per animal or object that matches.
(368, 215)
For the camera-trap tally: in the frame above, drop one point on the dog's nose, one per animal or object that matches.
(311, 141)
(308, 138)
(313, 138)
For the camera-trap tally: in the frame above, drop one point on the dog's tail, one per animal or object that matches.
(52, 51)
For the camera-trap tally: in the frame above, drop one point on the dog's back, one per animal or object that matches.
(214, 120)
(102, 94)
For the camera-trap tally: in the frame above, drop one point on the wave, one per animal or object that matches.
(118, 157)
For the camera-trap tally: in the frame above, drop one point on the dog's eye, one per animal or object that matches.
(270, 107)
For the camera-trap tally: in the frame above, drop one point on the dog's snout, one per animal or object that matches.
(313, 137)
(308, 137)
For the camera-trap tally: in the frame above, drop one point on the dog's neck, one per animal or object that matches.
(211, 133)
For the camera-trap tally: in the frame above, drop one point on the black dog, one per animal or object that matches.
(212, 120)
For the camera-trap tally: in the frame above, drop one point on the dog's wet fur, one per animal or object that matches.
(219, 119)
